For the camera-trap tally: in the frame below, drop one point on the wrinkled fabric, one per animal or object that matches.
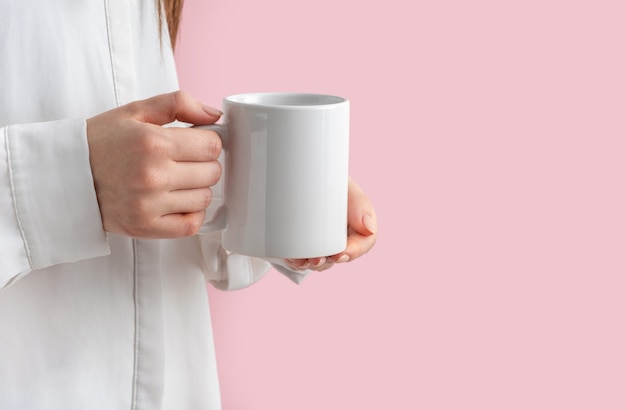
(88, 319)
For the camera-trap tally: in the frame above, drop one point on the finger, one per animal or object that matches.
(358, 245)
(298, 263)
(361, 214)
(327, 264)
(324, 267)
(317, 262)
(191, 175)
(185, 201)
(179, 225)
(165, 108)
(193, 144)
(341, 257)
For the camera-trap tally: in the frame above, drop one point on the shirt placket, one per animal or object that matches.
(148, 366)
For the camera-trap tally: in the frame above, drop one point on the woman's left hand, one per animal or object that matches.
(362, 233)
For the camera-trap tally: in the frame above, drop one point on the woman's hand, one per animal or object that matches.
(152, 181)
(362, 233)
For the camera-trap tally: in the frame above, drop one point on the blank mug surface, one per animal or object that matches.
(286, 174)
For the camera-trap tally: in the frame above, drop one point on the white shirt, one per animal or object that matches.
(90, 320)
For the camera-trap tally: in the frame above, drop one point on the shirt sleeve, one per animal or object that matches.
(49, 212)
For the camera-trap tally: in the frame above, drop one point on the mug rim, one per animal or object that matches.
(313, 100)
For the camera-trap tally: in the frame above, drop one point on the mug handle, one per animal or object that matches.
(218, 222)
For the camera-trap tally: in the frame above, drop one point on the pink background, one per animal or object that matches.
(491, 137)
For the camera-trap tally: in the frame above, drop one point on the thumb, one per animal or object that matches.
(165, 108)
(361, 214)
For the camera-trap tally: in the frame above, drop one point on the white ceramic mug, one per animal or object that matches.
(285, 175)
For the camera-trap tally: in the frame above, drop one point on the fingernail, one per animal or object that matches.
(369, 223)
(214, 112)
(298, 263)
(320, 262)
(343, 258)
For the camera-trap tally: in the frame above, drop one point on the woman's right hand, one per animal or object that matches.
(153, 181)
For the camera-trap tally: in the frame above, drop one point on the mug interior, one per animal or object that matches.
(285, 99)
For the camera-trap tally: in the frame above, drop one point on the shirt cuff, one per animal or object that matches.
(296, 276)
